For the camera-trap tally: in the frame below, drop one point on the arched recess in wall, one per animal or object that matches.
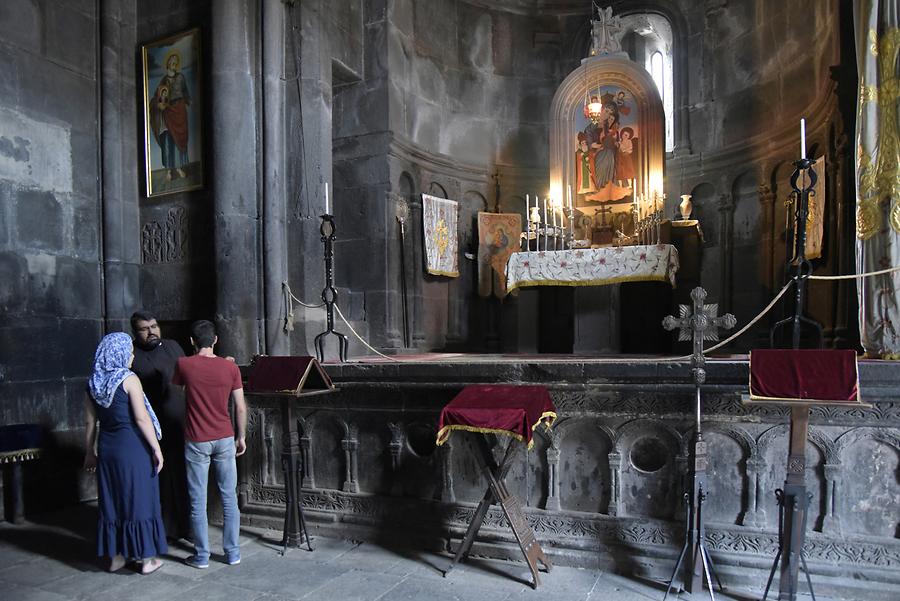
(746, 247)
(435, 189)
(670, 11)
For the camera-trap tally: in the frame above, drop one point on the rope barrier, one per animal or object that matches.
(853, 276)
(360, 338)
(290, 312)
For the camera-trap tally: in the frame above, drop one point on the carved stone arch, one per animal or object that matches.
(566, 116)
(306, 426)
(825, 444)
(436, 189)
(765, 439)
(736, 433)
(562, 426)
(406, 185)
(888, 436)
(628, 428)
(551, 435)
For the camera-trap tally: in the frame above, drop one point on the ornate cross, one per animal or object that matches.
(606, 31)
(701, 324)
(602, 211)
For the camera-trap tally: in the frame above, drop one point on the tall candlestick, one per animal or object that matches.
(327, 204)
(527, 223)
(802, 138)
(546, 239)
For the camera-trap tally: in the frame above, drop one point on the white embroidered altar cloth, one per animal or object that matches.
(592, 266)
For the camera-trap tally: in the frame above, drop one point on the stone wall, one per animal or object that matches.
(603, 487)
(52, 280)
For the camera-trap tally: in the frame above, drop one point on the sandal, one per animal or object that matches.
(116, 563)
(150, 565)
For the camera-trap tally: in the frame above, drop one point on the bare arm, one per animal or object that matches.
(240, 413)
(136, 398)
(90, 433)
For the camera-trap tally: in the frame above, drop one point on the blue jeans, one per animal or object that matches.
(197, 457)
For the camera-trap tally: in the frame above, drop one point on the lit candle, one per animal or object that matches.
(802, 138)
(527, 223)
(546, 232)
(327, 204)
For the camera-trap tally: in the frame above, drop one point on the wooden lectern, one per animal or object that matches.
(799, 379)
(290, 378)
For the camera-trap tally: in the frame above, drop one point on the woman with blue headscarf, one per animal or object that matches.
(127, 459)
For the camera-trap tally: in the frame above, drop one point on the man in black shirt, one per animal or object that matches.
(154, 364)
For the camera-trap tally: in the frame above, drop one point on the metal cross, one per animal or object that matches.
(700, 323)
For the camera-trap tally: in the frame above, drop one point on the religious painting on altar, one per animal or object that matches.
(606, 147)
(499, 236)
(172, 114)
(440, 219)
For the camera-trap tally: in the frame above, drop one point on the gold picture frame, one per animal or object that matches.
(173, 136)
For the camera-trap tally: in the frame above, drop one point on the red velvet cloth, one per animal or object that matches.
(499, 408)
(286, 374)
(826, 376)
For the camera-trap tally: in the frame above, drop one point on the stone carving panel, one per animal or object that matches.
(726, 477)
(871, 506)
(167, 241)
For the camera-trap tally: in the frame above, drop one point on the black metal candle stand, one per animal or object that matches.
(795, 247)
(329, 293)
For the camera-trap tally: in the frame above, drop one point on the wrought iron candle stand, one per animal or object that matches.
(793, 500)
(329, 293)
(699, 324)
(796, 253)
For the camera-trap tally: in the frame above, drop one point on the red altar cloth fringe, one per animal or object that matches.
(804, 376)
(498, 408)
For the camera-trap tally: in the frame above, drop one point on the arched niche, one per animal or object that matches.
(605, 77)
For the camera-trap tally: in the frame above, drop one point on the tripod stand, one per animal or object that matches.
(699, 325)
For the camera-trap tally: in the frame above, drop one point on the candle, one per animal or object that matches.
(327, 204)
(546, 234)
(802, 138)
(527, 223)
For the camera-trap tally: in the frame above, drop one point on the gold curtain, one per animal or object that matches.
(878, 173)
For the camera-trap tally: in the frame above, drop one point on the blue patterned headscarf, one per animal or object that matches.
(111, 369)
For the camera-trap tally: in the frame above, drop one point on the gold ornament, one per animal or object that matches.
(868, 219)
(441, 237)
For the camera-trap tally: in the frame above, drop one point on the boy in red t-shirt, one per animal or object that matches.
(209, 382)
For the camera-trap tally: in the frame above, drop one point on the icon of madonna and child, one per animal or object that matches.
(605, 154)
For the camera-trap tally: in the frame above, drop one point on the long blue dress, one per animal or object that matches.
(130, 522)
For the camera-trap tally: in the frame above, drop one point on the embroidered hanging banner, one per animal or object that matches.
(499, 236)
(593, 266)
(439, 218)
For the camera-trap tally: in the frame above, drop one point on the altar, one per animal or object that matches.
(580, 306)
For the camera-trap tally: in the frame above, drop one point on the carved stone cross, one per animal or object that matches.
(700, 323)
(602, 211)
(606, 32)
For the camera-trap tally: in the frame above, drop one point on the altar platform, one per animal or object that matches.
(603, 488)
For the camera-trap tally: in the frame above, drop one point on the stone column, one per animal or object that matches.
(350, 444)
(615, 496)
(308, 479)
(831, 523)
(236, 181)
(754, 516)
(553, 479)
(274, 161)
(726, 246)
(118, 162)
(767, 231)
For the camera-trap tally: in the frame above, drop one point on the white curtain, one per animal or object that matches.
(878, 174)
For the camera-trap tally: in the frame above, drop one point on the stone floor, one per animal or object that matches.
(51, 559)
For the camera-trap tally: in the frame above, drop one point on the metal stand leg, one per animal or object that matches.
(780, 497)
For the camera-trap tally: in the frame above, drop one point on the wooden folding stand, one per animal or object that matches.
(497, 490)
(290, 378)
